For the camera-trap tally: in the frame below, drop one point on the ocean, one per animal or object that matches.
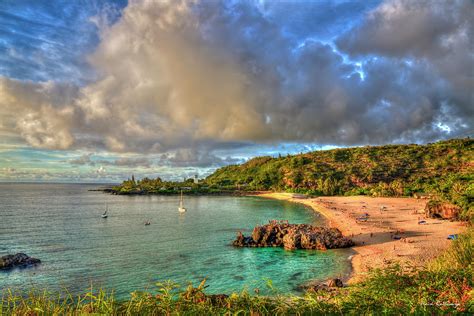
(61, 224)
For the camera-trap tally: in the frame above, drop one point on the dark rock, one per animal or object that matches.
(18, 260)
(218, 299)
(296, 275)
(293, 236)
(328, 285)
(335, 283)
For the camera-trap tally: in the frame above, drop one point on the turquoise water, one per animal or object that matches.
(61, 225)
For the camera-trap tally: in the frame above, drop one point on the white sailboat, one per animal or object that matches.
(105, 215)
(181, 208)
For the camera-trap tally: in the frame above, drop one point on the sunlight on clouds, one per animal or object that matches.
(171, 76)
(178, 83)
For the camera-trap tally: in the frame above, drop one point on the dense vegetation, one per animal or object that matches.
(444, 286)
(158, 186)
(444, 169)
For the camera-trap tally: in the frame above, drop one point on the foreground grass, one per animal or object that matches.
(444, 286)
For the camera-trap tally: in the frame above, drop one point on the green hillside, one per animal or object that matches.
(444, 169)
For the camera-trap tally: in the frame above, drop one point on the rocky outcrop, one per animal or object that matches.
(436, 209)
(329, 285)
(293, 236)
(18, 260)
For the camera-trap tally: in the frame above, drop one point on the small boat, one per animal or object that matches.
(147, 223)
(105, 215)
(181, 208)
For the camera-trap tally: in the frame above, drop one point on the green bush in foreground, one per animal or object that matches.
(444, 286)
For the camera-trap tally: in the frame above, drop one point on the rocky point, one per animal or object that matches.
(17, 260)
(293, 236)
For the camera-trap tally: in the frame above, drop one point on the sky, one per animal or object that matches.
(96, 90)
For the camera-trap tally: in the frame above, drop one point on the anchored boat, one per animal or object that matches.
(181, 208)
(105, 215)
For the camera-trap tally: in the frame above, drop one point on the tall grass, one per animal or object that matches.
(460, 255)
(444, 286)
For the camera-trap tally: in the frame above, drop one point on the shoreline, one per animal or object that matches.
(178, 192)
(376, 246)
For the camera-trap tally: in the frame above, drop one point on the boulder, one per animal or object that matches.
(328, 285)
(335, 283)
(313, 240)
(257, 233)
(436, 209)
(243, 241)
(17, 260)
(292, 240)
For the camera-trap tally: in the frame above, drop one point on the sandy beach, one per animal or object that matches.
(391, 232)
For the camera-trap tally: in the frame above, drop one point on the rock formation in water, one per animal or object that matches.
(18, 260)
(293, 236)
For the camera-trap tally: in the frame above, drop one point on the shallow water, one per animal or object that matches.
(61, 225)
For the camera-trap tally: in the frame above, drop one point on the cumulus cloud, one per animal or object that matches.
(436, 36)
(188, 77)
(42, 113)
(398, 27)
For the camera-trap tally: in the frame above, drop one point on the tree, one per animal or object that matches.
(329, 186)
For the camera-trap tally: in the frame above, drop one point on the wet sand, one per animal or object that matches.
(390, 233)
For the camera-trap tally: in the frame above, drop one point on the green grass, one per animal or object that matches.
(445, 286)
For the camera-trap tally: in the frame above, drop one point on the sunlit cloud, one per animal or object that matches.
(162, 86)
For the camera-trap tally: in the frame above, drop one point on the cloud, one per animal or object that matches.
(130, 162)
(434, 35)
(86, 159)
(8, 170)
(190, 77)
(398, 27)
(196, 158)
(82, 160)
(101, 171)
(42, 113)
